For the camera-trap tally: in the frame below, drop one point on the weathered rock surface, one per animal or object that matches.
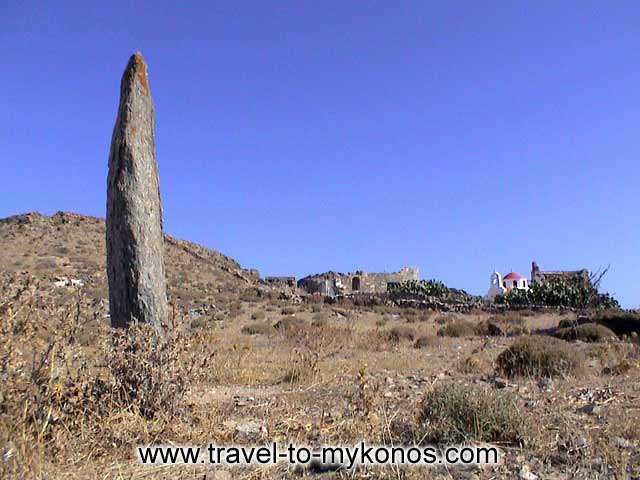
(135, 263)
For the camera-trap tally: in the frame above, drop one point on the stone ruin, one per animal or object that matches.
(282, 282)
(334, 284)
(575, 278)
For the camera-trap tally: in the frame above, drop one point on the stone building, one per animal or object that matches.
(332, 284)
(576, 278)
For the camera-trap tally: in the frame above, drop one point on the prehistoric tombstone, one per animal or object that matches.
(134, 238)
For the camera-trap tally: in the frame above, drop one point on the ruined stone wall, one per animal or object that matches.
(576, 278)
(364, 282)
(334, 284)
(281, 282)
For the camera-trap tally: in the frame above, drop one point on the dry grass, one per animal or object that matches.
(427, 341)
(323, 377)
(401, 332)
(458, 328)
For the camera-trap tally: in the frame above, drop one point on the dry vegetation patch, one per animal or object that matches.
(538, 356)
(505, 324)
(586, 332)
(258, 328)
(452, 413)
(427, 341)
(621, 322)
(402, 332)
(458, 328)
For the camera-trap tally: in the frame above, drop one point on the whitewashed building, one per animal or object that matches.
(500, 285)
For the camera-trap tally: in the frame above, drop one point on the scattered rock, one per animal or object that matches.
(590, 409)
(622, 442)
(545, 383)
(68, 282)
(500, 382)
(222, 475)
(250, 430)
(527, 474)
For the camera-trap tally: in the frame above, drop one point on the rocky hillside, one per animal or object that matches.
(72, 246)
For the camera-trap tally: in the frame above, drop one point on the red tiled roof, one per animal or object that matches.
(513, 276)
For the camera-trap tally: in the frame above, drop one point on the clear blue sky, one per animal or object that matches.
(303, 136)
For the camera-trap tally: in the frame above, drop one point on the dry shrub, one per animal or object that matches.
(427, 341)
(538, 356)
(627, 425)
(327, 339)
(319, 319)
(375, 341)
(621, 322)
(288, 311)
(257, 328)
(458, 328)
(258, 315)
(621, 368)
(472, 364)
(312, 346)
(607, 352)
(289, 323)
(451, 413)
(401, 332)
(59, 389)
(508, 324)
(149, 372)
(442, 319)
(586, 332)
(567, 323)
(235, 310)
(410, 315)
(303, 366)
(342, 312)
(426, 316)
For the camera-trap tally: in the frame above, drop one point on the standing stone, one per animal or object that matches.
(135, 263)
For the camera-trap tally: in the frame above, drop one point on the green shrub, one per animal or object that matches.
(458, 328)
(421, 288)
(451, 413)
(557, 294)
(538, 356)
(586, 332)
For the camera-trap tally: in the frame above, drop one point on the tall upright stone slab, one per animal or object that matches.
(135, 262)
